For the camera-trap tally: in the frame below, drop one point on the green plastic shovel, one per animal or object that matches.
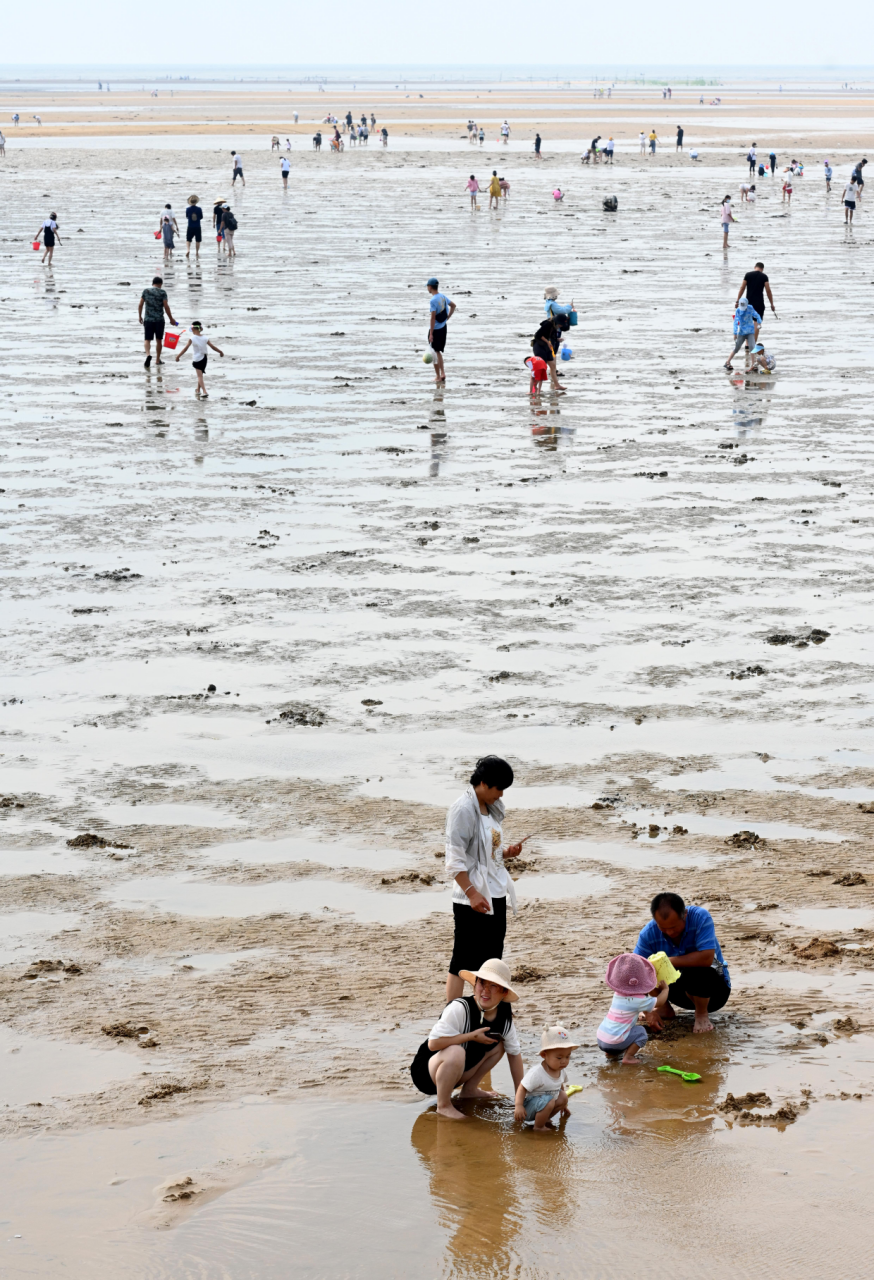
(685, 1075)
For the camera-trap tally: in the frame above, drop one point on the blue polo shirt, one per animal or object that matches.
(698, 935)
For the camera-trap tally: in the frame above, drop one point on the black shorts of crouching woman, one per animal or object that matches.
(438, 339)
(478, 937)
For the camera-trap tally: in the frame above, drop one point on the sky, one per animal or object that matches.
(631, 35)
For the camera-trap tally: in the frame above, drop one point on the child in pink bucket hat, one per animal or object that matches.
(637, 991)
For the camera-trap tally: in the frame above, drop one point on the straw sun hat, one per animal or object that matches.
(492, 971)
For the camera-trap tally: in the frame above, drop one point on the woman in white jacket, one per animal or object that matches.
(475, 855)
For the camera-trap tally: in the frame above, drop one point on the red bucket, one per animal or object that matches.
(157, 235)
(36, 244)
(171, 339)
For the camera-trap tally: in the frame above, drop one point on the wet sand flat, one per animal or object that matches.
(651, 594)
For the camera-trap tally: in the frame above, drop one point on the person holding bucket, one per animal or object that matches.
(47, 231)
(155, 302)
(169, 225)
(475, 854)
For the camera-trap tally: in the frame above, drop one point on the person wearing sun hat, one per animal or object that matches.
(637, 990)
(541, 1091)
(470, 1037)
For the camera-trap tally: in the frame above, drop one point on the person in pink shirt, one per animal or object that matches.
(473, 188)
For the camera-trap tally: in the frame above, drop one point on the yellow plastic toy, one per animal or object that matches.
(665, 971)
(572, 1089)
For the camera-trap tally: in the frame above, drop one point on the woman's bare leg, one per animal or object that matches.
(470, 1081)
(446, 1069)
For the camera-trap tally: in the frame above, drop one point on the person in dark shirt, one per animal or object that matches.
(755, 285)
(194, 214)
(537, 147)
(858, 176)
(679, 137)
(544, 346)
(154, 300)
(772, 160)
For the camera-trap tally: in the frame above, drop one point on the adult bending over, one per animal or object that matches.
(470, 1038)
(475, 859)
(688, 936)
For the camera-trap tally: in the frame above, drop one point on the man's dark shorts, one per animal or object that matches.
(194, 234)
(438, 339)
(153, 329)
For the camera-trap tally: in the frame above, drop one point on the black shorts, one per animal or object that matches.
(153, 329)
(438, 339)
(237, 171)
(200, 364)
(193, 233)
(699, 982)
(478, 937)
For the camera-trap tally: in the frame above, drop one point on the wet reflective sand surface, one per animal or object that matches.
(252, 646)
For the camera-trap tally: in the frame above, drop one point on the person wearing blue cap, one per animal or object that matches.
(441, 310)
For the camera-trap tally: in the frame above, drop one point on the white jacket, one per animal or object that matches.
(467, 850)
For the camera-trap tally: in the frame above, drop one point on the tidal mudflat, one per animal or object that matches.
(285, 621)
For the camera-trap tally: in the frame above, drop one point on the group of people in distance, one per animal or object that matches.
(677, 962)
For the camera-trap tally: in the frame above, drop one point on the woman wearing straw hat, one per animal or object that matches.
(475, 859)
(470, 1038)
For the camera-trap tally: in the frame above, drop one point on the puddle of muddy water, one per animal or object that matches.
(328, 853)
(840, 985)
(635, 855)
(704, 824)
(554, 886)
(42, 861)
(192, 815)
(829, 918)
(35, 1070)
(464, 1201)
(202, 898)
(23, 934)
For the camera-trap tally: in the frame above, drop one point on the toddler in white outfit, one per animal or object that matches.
(541, 1093)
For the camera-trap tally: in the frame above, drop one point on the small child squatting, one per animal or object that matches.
(541, 1094)
(539, 371)
(637, 991)
(200, 342)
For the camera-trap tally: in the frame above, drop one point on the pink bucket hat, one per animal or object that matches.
(630, 975)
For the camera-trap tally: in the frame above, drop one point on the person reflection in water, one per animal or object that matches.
(473, 1186)
(688, 936)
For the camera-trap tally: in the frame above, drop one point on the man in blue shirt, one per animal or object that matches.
(688, 936)
(441, 309)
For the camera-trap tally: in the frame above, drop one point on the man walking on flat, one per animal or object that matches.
(755, 285)
(441, 310)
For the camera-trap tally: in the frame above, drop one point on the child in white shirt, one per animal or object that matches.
(541, 1093)
(199, 341)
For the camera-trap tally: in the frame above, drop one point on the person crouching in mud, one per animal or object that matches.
(470, 1038)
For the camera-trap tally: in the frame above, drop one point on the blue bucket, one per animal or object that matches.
(566, 353)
